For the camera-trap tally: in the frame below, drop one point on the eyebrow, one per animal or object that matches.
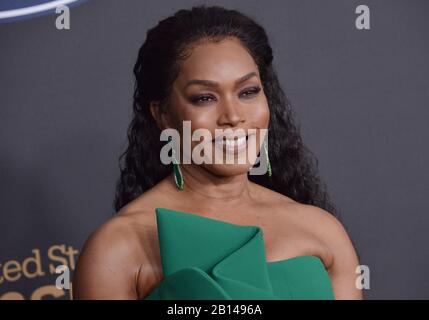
(210, 83)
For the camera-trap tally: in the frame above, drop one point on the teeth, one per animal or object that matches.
(230, 143)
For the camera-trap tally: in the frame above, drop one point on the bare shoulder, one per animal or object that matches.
(112, 258)
(319, 223)
(325, 225)
(309, 217)
(315, 218)
(344, 260)
(310, 221)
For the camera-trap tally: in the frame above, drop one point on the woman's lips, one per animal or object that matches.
(232, 145)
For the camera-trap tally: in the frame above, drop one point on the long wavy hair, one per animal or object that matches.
(294, 167)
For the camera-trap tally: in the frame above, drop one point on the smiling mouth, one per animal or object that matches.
(232, 145)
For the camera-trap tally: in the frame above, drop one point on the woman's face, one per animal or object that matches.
(230, 97)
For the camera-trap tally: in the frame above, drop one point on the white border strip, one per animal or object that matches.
(34, 9)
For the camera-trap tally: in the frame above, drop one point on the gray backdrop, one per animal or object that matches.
(361, 97)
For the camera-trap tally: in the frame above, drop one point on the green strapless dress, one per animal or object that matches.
(203, 258)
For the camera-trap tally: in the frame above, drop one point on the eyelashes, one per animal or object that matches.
(252, 91)
(206, 98)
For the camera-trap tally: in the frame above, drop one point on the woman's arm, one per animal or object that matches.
(108, 264)
(345, 261)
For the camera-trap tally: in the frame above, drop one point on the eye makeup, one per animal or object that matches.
(207, 98)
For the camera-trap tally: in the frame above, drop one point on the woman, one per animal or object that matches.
(193, 227)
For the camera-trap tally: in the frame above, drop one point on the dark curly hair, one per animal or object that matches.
(295, 169)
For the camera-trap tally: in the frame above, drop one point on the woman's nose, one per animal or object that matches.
(230, 114)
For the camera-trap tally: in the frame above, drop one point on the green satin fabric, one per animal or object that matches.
(204, 258)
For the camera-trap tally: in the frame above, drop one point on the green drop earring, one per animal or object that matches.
(269, 170)
(178, 176)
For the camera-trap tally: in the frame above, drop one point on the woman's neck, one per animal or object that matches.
(212, 189)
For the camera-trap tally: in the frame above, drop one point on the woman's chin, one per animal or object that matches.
(228, 169)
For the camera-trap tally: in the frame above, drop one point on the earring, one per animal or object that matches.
(178, 176)
(269, 170)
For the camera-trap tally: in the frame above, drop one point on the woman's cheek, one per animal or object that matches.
(260, 114)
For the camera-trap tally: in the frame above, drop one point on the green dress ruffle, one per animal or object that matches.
(203, 258)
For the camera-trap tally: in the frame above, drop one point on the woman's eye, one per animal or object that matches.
(201, 99)
(251, 92)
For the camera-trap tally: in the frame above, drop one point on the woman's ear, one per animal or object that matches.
(159, 115)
